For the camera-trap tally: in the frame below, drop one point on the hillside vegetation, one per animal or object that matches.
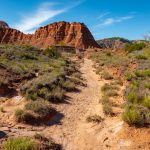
(133, 68)
(38, 75)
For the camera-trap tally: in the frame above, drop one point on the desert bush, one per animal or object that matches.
(39, 107)
(135, 84)
(105, 99)
(34, 112)
(132, 97)
(94, 118)
(56, 95)
(109, 90)
(20, 143)
(107, 109)
(147, 85)
(129, 76)
(75, 80)
(106, 87)
(69, 86)
(133, 116)
(106, 76)
(147, 102)
(23, 116)
(111, 93)
(31, 95)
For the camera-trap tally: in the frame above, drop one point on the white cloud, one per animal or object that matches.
(103, 14)
(44, 13)
(110, 21)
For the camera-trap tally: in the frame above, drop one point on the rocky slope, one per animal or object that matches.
(113, 43)
(71, 34)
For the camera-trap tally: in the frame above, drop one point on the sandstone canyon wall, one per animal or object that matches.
(71, 34)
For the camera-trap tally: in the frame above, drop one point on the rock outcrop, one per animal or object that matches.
(3, 24)
(70, 34)
(113, 43)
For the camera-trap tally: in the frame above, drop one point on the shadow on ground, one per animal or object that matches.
(56, 119)
(2, 134)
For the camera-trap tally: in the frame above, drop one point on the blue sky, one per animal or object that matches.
(105, 18)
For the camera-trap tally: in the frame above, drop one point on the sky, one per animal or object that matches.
(105, 18)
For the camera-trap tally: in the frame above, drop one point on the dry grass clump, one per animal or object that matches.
(38, 142)
(106, 75)
(20, 143)
(110, 90)
(107, 109)
(94, 118)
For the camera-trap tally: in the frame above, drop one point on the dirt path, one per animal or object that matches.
(82, 104)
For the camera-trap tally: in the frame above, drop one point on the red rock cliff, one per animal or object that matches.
(70, 34)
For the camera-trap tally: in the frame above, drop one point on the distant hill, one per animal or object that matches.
(113, 43)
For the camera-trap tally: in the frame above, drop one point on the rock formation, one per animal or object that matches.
(70, 34)
(113, 43)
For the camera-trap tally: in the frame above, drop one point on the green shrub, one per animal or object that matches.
(132, 97)
(94, 118)
(23, 116)
(20, 143)
(75, 80)
(147, 85)
(31, 95)
(129, 76)
(56, 95)
(147, 102)
(109, 90)
(135, 84)
(39, 107)
(69, 86)
(133, 116)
